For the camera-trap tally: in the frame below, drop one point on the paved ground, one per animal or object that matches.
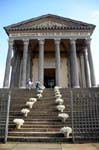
(39, 146)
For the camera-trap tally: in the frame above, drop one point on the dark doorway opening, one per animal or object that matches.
(49, 78)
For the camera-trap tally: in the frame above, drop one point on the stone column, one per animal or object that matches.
(41, 62)
(17, 77)
(92, 73)
(28, 65)
(14, 67)
(8, 65)
(57, 61)
(31, 65)
(82, 70)
(25, 56)
(68, 72)
(87, 70)
(21, 72)
(74, 65)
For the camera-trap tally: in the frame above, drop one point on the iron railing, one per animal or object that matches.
(85, 115)
(4, 113)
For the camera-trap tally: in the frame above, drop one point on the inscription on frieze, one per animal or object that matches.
(52, 34)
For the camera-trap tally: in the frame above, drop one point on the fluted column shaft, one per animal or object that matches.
(73, 65)
(21, 72)
(25, 56)
(8, 65)
(57, 61)
(41, 62)
(82, 70)
(87, 69)
(28, 65)
(92, 73)
(14, 69)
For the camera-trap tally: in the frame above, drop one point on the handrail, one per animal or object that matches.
(72, 121)
(7, 117)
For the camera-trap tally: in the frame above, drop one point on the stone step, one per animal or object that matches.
(24, 99)
(42, 122)
(37, 104)
(38, 113)
(42, 101)
(34, 129)
(35, 134)
(41, 111)
(55, 119)
(38, 117)
(43, 126)
(38, 125)
(39, 139)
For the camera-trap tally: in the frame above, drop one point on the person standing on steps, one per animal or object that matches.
(29, 84)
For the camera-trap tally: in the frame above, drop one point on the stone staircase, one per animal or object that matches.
(42, 123)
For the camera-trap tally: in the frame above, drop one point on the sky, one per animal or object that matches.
(14, 11)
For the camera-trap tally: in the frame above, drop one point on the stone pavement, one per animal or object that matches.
(47, 146)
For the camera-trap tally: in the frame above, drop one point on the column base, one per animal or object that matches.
(5, 87)
(94, 86)
(22, 87)
(76, 86)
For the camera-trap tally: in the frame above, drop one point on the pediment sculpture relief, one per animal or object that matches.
(48, 24)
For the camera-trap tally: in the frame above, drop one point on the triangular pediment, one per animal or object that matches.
(49, 22)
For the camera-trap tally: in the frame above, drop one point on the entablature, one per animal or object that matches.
(51, 35)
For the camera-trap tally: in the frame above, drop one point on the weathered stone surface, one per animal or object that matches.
(38, 146)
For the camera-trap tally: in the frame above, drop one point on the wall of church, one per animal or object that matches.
(35, 70)
(49, 62)
(64, 79)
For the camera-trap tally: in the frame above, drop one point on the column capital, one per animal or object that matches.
(41, 41)
(81, 53)
(73, 40)
(26, 41)
(57, 41)
(85, 51)
(11, 41)
(88, 41)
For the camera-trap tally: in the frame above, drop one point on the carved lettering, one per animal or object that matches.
(51, 34)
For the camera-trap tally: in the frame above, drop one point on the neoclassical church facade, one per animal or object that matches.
(52, 49)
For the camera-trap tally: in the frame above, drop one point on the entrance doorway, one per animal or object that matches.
(49, 78)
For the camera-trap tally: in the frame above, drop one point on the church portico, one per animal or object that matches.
(57, 52)
(51, 53)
